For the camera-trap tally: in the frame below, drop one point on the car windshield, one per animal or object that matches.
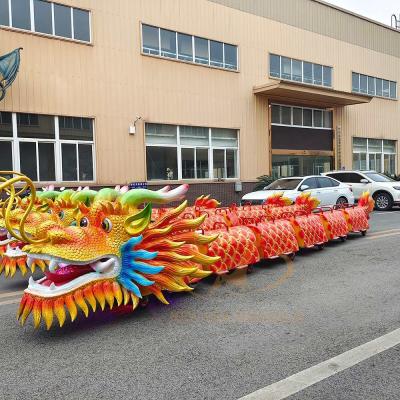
(284, 184)
(378, 177)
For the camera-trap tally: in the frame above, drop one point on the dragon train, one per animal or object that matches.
(112, 247)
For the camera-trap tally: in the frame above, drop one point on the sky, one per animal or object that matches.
(379, 10)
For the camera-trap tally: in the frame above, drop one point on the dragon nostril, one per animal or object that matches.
(104, 259)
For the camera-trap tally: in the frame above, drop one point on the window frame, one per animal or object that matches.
(209, 147)
(16, 140)
(193, 61)
(375, 80)
(302, 81)
(382, 154)
(32, 28)
(313, 109)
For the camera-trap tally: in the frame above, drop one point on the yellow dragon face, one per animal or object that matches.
(50, 208)
(115, 254)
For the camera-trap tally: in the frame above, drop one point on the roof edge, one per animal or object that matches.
(356, 15)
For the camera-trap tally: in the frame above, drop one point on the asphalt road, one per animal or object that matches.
(229, 337)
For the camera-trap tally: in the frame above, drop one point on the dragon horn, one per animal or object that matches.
(165, 189)
(135, 197)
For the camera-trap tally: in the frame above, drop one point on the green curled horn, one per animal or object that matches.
(137, 223)
(135, 197)
(48, 195)
(84, 196)
(107, 194)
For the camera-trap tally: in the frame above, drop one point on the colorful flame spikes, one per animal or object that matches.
(104, 292)
(278, 200)
(10, 265)
(206, 202)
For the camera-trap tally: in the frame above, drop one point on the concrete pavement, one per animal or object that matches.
(229, 337)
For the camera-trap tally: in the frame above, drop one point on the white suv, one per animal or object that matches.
(385, 191)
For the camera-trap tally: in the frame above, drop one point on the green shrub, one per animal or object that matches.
(263, 181)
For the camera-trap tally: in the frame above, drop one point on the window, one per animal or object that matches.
(286, 115)
(6, 134)
(185, 47)
(62, 21)
(81, 25)
(318, 115)
(150, 39)
(274, 66)
(298, 116)
(190, 152)
(379, 86)
(311, 183)
(327, 76)
(297, 165)
(170, 44)
(201, 50)
(4, 14)
(307, 117)
(36, 141)
(286, 68)
(375, 154)
(216, 54)
(299, 71)
(355, 82)
(43, 17)
(326, 182)
(76, 135)
(308, 72)
(47, 18)
(230, 53)
(385, 88)
(6, 155)
(373, 86)
(21, 14)
(363, 84)
(6, 129)
(317, 70)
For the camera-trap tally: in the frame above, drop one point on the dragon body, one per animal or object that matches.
(110, 248)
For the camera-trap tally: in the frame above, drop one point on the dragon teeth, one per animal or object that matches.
(53, 266)
(31, 281)
(52, 286)
(102, 267)
(29, 261)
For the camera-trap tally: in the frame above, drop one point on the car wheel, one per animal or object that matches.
(342, 201)
(383, 201)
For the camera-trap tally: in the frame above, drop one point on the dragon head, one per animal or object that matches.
(114, 253)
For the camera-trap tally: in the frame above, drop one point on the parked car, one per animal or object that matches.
(384, 190)
(327, 190)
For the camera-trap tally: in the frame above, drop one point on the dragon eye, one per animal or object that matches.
(61, 214)
(84, 222)
(106, 225)
(49, 211)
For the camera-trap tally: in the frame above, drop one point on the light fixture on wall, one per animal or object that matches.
(132, 128)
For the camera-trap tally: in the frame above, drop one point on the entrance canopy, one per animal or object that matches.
(309, 95)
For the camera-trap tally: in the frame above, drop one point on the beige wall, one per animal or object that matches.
(112, 82)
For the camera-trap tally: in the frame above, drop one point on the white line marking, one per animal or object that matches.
(384, 212)
(302, 380)
(10, 294)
